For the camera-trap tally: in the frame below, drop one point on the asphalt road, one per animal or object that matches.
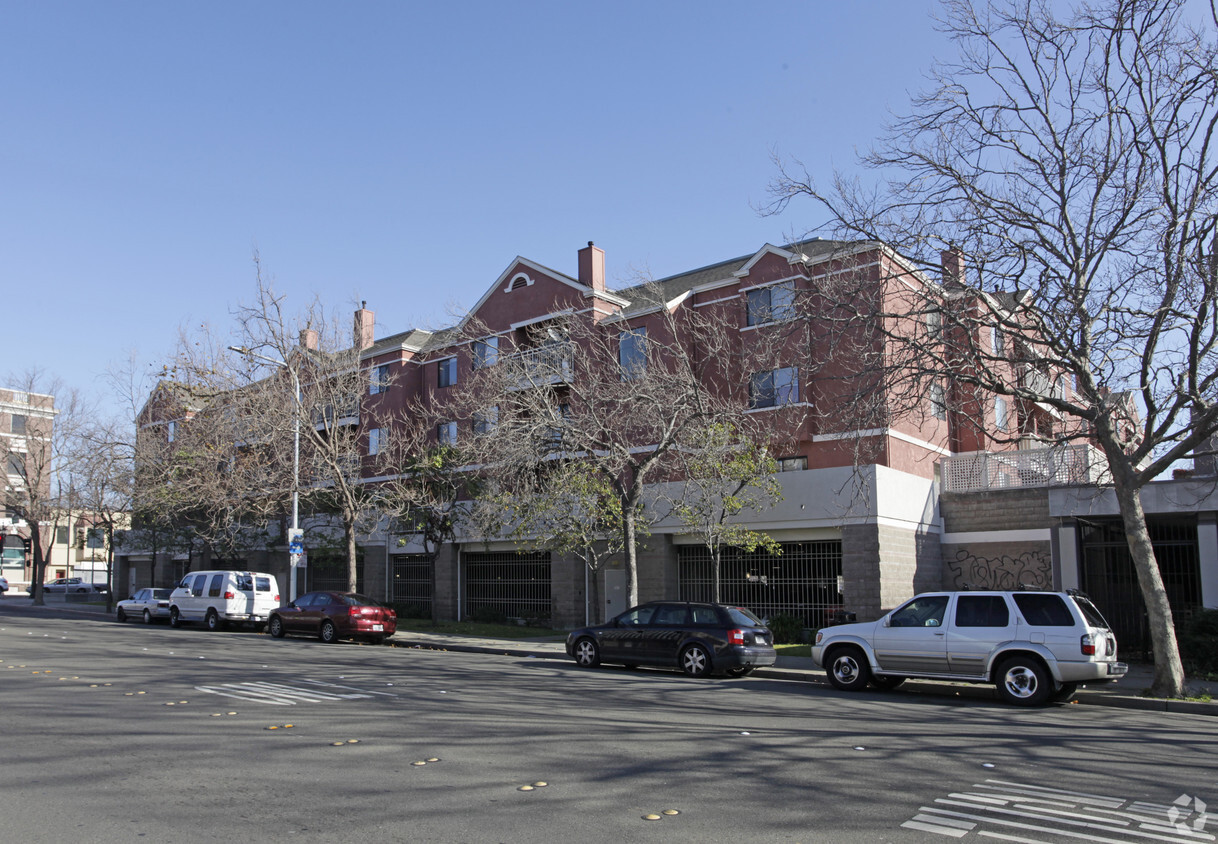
(115, 732)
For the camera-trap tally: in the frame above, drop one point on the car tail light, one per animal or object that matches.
(1088, 645)
(228, 596)
(277, 599)
(735, 637)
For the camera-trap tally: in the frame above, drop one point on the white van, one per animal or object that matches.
(218, 597)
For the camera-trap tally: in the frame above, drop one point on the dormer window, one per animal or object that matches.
(771, 304)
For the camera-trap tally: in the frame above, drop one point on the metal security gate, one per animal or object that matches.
(413, 585)
(1108, 576)
(507, 585)
(327, 572)
(804, 581)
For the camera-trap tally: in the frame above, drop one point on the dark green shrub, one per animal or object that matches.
(1198, 637)
(412, 611)
(787, 629)
(489, 615)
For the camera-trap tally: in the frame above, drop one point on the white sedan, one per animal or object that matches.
(146, 604)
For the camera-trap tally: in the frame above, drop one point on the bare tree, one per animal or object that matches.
(617, 397)
(1070, 161)
(40, 459)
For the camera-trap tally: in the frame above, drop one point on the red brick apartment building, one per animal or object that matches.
(859, 535)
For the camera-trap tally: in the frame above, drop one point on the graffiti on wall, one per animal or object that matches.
(1031, 568)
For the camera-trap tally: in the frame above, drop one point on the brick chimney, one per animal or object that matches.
(365, 322)
(308, 338)
(592, 267)
(952, 260)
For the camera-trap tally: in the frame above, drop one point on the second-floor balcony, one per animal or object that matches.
(540, 365)
(1066, 465)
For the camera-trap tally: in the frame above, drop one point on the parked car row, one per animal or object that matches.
(71, 585)
(223, 597)
(1034, 647)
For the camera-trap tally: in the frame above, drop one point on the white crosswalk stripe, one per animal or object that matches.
(278, 694)
(1012, 811)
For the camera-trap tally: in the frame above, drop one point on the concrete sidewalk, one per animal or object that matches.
(1127, 693)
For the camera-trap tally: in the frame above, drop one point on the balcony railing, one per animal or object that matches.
(542, 365)
(980, 471)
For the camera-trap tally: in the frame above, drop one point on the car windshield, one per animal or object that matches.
(743, 617)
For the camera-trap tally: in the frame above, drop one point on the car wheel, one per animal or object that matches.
(1023, 681)
(1064, 692)
(848, 669)
(587, 653)
(122, 616)
(329, 634)
(175, 617)
(147, 617)
(81, 591)
(696, 661)
(212, 620)
(886, 681)
(275, 627)
(741, 671)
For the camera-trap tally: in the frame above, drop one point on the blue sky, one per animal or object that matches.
(402, 153)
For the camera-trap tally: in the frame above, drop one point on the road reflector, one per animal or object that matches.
(352, 741)
(272, 727)
(652, 817)
(418, 764)
(671, 812)
(434, 759)
(540, 784)
(338, 744)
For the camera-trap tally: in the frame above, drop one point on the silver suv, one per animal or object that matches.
(1034, 646)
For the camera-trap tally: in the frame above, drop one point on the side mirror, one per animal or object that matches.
(932, 622)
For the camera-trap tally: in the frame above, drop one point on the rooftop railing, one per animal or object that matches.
(1066, 465)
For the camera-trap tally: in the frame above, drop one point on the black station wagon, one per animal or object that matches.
(700, 639)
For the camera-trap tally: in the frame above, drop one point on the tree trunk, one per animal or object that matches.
(352, 559)
(1169, 670)
(630, 552)
(40, 563)
(716, 555)
(594, 591)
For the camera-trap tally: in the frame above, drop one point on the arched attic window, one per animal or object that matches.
(520, 280)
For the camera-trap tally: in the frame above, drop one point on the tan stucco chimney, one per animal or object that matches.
(308, 338)
(365, 321)
(592, 267)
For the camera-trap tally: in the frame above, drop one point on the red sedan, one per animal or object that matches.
(331, 616)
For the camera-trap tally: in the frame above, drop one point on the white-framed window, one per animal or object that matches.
(938, 401)
(16, 463)
(379, 380)
(774, 387)
(17, 424)
(934, 324)
(1001, 415)
(486, 352)
(447, 376)
(1061, 387)
(374, 441)
(95, 538)
(792, 464)
(446, 433)
(997, 341)
(632, 353)
(171, 431)
(771, 304)
(486, 420)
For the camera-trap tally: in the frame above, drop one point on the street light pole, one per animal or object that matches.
(293, 558)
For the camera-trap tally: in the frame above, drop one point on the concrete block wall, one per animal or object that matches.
(657, 558)
(567, 592)
(446, 599)
(1002, 509)
(884, 564)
